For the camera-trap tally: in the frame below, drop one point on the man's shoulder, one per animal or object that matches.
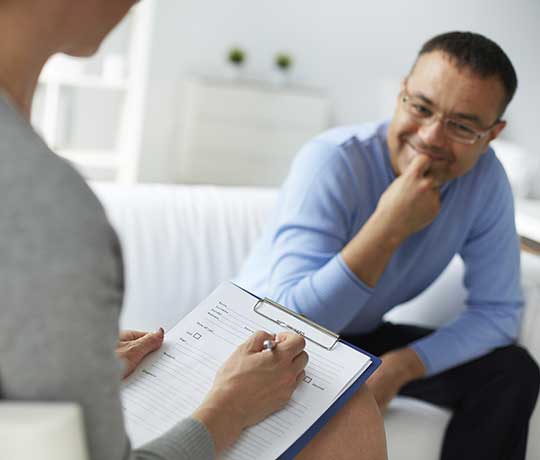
(343, 134)
(488, 193)
(325, 148)
(488, 173)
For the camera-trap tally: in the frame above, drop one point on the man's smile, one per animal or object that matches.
(434, 156)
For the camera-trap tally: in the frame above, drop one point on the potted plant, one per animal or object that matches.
(282, 64)
(236, 58)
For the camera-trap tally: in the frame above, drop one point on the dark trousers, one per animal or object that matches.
(492, 397)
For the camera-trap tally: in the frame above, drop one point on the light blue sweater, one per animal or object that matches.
(333, 187)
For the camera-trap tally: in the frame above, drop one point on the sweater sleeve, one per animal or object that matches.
(188, 440)
(492, 278)
(307, 271)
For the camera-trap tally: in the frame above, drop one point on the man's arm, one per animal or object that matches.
(410, 203)
(309, 268)
(491, 256)
(492, 278)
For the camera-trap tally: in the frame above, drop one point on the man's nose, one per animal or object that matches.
(433, 133)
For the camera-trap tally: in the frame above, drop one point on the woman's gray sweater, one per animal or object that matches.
(61, 286)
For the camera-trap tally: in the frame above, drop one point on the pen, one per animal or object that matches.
(270, 344)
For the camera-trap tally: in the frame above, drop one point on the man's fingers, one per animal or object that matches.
(419, 165)
(430, 183)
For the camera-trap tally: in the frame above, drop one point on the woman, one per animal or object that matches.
(61, 280)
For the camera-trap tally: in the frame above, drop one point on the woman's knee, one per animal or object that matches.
(363, 404)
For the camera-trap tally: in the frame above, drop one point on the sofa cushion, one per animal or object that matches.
(179, 243)
(414, 429)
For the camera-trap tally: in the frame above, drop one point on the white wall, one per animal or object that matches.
(356, 50)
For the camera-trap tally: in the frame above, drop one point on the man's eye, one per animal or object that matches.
(421, 110)
(461, 128)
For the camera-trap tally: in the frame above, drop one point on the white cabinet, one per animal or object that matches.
(242, 133)
(90, 111)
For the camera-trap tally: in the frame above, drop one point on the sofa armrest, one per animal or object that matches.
(529, 336)
(44, 430)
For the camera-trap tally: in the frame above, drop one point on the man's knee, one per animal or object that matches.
(521, 370)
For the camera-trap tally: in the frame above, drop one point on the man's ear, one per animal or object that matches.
(496, 130)
(402, 86)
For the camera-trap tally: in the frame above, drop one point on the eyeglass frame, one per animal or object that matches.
(478, 134)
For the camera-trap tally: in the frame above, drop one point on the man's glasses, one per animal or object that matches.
(456, 130)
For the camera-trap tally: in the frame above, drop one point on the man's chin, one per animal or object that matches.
(440, 177)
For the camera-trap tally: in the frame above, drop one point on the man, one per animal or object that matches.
(371, 215)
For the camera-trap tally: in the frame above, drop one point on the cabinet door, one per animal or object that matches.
(245, 134)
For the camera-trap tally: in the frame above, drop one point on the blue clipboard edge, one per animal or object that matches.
(303, 440)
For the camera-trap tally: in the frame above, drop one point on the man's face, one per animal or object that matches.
(444, 92)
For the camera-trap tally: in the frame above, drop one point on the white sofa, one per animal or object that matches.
(179, 242)
(44, 430)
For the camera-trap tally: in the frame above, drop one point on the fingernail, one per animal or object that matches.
(161, 331)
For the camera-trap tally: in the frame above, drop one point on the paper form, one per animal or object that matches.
(170, 384)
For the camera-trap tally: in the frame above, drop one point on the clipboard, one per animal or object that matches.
(323, 337)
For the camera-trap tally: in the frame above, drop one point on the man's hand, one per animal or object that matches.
(409, 204)
(412, 201)
(398, 368)
(133, 346)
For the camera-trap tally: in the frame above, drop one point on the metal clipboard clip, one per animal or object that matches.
(297, 323)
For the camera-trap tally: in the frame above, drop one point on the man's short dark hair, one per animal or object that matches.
(479, 54)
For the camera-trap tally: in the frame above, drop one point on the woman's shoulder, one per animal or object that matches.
(38, 187)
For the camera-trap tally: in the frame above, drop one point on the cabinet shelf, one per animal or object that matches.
(86, 81)
(103, 159)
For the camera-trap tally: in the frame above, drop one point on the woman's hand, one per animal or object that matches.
(133, 346)
(251, 385)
